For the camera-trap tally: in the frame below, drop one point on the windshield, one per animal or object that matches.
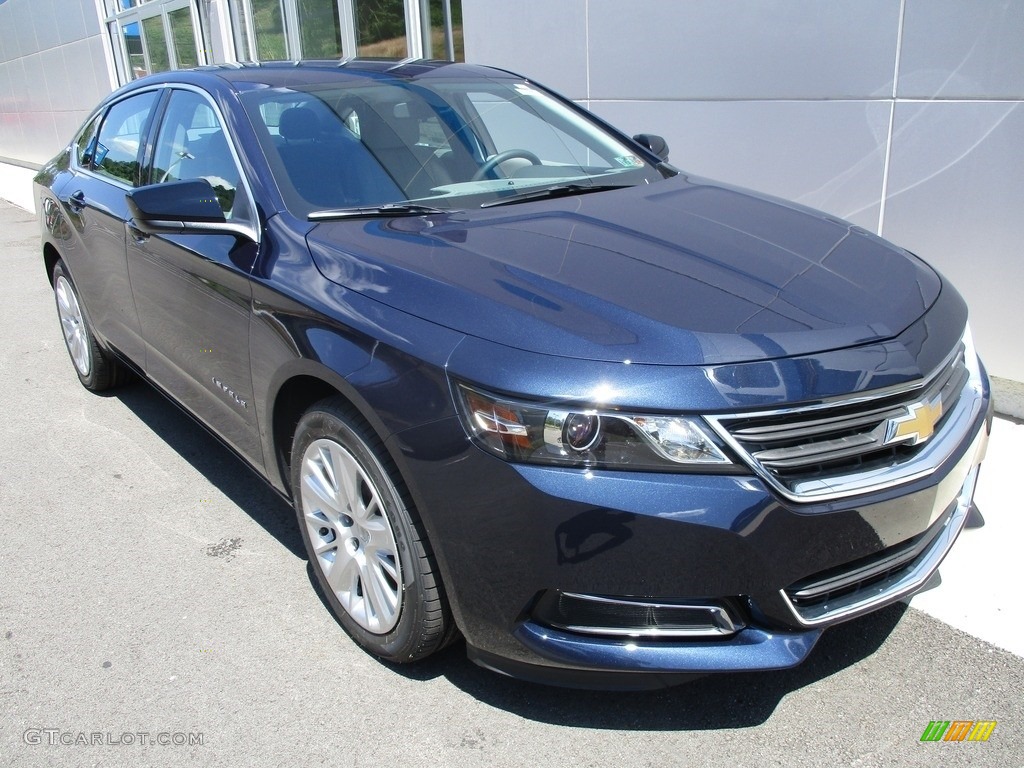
(446, 144)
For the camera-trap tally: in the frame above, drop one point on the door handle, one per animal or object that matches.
(76, 201)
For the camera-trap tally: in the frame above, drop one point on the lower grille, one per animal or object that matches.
(897, 572)
(852, 581)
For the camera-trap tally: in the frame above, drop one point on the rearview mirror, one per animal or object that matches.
(182, 208)
(655, 143)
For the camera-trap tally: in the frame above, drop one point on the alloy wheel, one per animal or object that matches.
(351, 537)
(72, 323)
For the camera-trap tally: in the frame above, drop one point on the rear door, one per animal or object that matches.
(192, 291)
(107, 161)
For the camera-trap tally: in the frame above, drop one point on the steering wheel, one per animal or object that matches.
(493, 162)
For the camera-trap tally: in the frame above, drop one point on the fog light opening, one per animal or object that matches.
(637, 617)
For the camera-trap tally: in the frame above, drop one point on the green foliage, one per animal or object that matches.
(320, 29)
(270, 42)
(156, 44)
(380, 20)
(184, 38)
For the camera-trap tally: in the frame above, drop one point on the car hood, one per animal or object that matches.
(681, 272)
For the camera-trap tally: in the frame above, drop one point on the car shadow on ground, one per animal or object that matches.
(711, 702)
(225, 471)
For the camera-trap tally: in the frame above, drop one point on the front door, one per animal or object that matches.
(192, 291)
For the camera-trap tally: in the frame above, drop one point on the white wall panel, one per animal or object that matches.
(824, 154)
(5, 33)
(742, 49)
(55, 76)
(24, 36)
(544, 40)
(47, 23)
(956, 197)
(958, 49)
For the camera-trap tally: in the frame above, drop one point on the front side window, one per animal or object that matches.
(192, 144)
(118, 144)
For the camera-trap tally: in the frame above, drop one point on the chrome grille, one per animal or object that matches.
(809, 453)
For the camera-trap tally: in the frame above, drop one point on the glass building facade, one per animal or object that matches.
(148, 36)
(57, 62)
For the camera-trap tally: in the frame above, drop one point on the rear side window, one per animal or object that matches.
(119, 141)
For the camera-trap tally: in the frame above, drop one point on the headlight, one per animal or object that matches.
(515, 430)
(971, 360)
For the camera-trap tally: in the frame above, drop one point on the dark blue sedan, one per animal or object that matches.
(524, 381)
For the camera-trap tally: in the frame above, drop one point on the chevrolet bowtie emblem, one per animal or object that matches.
(917, 425)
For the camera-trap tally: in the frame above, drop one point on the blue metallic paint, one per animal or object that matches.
(750, 650)
(685, 296)
(681, 272)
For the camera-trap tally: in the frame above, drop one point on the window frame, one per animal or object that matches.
(248, 218)
(249, 224)
(103, 113)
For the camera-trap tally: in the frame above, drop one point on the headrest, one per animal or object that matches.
(299, 123)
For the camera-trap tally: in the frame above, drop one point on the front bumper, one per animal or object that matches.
(757, 648)
(511, 534)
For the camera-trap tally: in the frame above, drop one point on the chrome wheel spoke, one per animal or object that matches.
(382, 600)
(343, 576)
(324, 545)
(348, 475)
(324, 496)
(386, 562)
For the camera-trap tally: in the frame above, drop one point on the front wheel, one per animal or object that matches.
(363, 538)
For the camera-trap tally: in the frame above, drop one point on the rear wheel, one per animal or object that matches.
(363, 538)
(97, 369)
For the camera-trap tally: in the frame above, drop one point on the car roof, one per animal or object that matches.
(277, 74)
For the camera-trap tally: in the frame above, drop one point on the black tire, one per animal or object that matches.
(97, 369)
(332, 441)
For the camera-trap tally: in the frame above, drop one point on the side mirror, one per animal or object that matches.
(656, 144)
(182, 208)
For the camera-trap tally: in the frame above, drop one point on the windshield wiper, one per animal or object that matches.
(559, 190)
(388, 209)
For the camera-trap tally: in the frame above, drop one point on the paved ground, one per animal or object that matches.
(151, 587)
